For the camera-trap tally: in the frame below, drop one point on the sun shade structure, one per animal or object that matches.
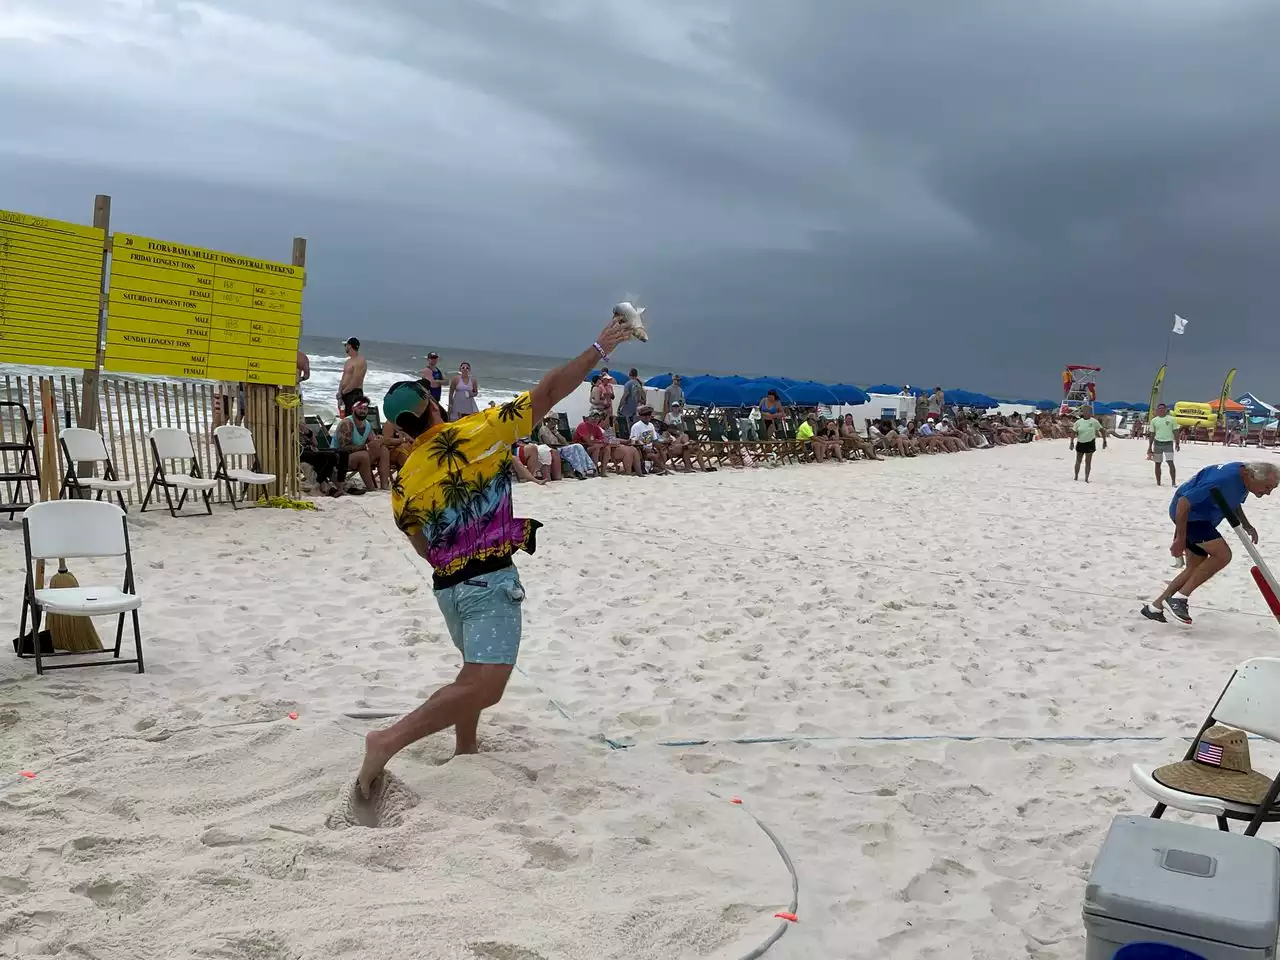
(1231, 406)
(1256, 406)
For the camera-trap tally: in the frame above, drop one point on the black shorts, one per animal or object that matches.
(1198, 532)
(349, 399)
(1086, 446)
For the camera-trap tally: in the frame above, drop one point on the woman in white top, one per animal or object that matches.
(462, 393)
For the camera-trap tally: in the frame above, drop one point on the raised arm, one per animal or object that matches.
(564, 379)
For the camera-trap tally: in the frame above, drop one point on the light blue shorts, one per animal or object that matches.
(483, 616)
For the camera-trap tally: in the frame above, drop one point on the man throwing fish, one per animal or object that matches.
(1196, 516)
(452, 499)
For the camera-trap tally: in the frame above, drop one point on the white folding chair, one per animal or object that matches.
(232, 441)
(77, 528)
(87, 446)
(172, 444)
(1249, 702)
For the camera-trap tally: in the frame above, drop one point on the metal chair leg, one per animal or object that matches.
(137, 641)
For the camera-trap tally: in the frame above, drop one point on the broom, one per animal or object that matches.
(73, 634)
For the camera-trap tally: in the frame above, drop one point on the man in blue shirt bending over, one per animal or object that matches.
(1196, 515)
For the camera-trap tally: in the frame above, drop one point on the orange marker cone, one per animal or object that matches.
(787, 916)
(26, 773)
(293, 714)
(737, 800)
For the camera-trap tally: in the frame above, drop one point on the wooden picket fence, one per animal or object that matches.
(129, 409)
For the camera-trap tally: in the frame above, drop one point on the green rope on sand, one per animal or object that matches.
(286, 503)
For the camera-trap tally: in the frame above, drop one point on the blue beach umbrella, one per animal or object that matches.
(967, 398)
(713, 392)
(618, 375)
(809, 392)
(1046, 405)
(752, 391)
(847, 393)
(888, 388)
(661, 381)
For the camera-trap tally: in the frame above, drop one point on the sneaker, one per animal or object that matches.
(1178, 607)
(1153, 613)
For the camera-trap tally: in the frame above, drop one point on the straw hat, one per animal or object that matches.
(1220, 768)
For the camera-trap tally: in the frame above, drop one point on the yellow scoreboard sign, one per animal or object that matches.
(50, 291)
(182, 311)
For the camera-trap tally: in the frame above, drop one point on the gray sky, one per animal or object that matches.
(972, 193)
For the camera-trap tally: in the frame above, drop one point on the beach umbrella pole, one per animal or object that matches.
(1262, 575)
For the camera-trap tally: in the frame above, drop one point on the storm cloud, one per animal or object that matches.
(969, 193)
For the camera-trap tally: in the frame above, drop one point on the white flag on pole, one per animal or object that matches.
(1179, 325)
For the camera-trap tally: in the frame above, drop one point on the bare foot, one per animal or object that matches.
(376, 755)
(466, 751)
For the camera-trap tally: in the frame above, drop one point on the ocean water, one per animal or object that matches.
(501, 376)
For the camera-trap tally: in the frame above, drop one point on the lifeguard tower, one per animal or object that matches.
(1079, 386)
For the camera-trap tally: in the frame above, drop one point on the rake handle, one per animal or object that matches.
(1233, 518)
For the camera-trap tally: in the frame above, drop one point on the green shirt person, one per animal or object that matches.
(804, 431)
(1163, 427)
(1087, 430)
(1163, 443)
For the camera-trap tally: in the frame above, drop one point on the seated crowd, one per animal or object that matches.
(651, 446)
(354, 444)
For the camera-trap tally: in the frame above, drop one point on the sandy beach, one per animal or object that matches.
(823, 609)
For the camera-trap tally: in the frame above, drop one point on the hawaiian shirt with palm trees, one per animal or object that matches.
(455, 489)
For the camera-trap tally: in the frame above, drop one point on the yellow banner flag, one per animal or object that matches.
(1155, 390)
(1223, 397)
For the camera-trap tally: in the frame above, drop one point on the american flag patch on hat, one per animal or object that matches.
(1209, 753)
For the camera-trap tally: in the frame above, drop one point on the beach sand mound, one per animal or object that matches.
(212, 842)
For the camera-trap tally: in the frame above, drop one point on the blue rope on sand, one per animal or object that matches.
(758, 951)
(898, 738)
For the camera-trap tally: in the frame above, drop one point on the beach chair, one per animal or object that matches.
(171, 444)
(562, 419)
(87, 446)
(1250, 702)
(729, 450)
(232, 442)
(61, 529)
(714, 441)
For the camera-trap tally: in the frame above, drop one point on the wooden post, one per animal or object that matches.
(88, 414)
(293, 415)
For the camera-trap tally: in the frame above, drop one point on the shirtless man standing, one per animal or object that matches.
(351, 386)
(469, 539)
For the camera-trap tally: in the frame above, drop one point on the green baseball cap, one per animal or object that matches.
(407, 396)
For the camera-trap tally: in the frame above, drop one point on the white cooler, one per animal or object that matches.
(1213, 894)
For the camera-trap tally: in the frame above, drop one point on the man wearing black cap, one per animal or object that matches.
(351, 386)
(432, 376)
(452, 499)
